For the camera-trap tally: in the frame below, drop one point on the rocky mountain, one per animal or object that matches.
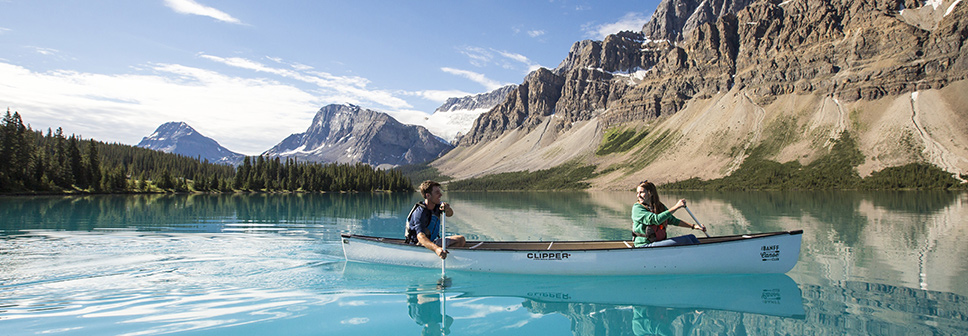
(350, 134)
(456, 116)
(180, 138)
(707, 82)
(674, 19)
(485, 100)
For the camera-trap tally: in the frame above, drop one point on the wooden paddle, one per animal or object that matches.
(697, 221)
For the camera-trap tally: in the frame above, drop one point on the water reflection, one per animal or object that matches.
(116, 283)
(670, 305)
(836, 211)
(871, 263)
(595, 305)
(428, 310)
(769, 294)
(285, 213)
(858, 309)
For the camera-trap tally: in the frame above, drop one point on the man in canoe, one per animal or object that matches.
(423, 223)
(650, 218)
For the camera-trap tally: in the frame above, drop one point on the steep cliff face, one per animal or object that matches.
(523, 107)
(350, 134)
(675, 19)
(851, 50)
(749, 59)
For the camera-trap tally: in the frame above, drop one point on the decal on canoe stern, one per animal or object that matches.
(770, 252)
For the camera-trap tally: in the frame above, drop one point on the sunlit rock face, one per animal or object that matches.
(350, 134)
(742, 66)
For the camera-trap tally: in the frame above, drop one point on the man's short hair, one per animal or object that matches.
(427, 187)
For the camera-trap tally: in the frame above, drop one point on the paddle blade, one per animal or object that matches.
(443, 283)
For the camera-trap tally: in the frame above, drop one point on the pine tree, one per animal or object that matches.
(6, 152)
(242, 174)
(93, 166)
(76, 163)
(16, 153)
(165, 182)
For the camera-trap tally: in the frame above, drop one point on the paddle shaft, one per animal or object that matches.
(443, 241)
(697, 221)
(443, 313)
(443, 270)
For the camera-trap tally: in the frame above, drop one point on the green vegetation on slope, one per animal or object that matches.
(834, 170)
(919, 176)
(619, 140)
(417, 173)
(654, 145)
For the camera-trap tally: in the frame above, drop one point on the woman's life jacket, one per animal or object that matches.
(654, 233)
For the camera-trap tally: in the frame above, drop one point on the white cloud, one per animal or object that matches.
(4, 30)
(488, 83)
(45, 51)
(631, 21)
(481, 57)
(531, 66)
(193, 8)
(439, 96)
(350, 89)
(247, 115)
(536, 33)
(301, 67)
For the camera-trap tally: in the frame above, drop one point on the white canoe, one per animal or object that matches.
(775, 252)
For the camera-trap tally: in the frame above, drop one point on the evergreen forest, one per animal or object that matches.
(33, 162)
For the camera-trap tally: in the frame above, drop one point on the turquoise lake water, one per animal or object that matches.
(881, 263)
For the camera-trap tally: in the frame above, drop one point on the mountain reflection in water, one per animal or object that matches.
(871, 263)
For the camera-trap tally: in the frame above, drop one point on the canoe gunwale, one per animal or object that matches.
(583, 245)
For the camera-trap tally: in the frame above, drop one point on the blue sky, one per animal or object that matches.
(249, 73)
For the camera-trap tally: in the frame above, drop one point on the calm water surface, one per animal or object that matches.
(887, 263)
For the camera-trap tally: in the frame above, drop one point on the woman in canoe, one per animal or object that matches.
(650, 218)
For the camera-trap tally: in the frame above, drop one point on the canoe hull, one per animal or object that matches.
(773, 253)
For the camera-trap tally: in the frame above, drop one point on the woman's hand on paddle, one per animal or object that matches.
(680, 204)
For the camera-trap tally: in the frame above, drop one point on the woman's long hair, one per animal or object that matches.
(652, 204)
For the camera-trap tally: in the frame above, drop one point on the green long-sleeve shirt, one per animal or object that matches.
(642, 217)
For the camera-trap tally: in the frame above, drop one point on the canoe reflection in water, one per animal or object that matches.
(635, 304)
